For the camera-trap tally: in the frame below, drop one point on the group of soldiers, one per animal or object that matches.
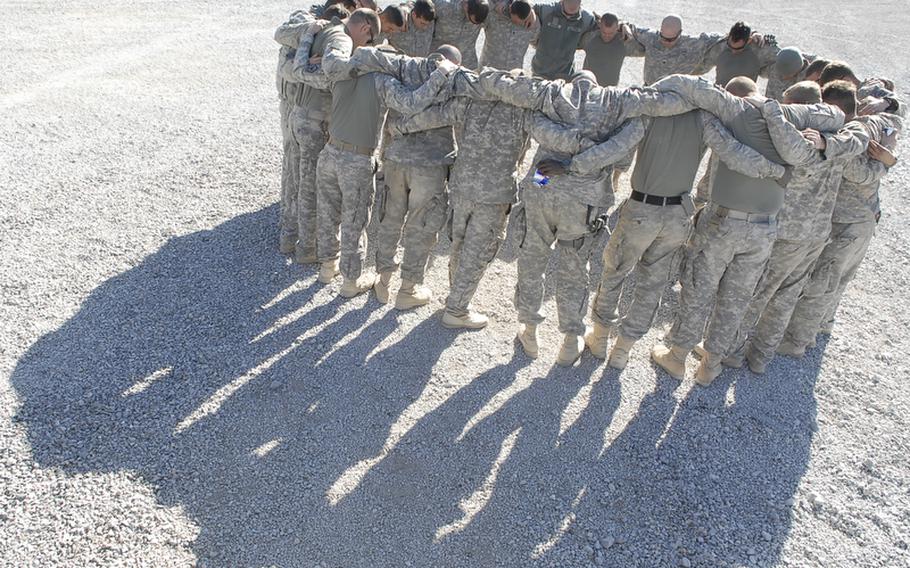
(763, 251)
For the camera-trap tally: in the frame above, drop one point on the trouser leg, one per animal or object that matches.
(737, 286)
(863, 233)
(427, 209)
(357, 188)
(392, 212)
(536, 237)
(310, 135)
(329, 203)
(478, 229)
(289, 178)
(575, 242)
(654, 270)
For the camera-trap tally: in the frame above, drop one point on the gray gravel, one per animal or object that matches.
(174, 393)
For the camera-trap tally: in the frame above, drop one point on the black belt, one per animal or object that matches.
(656, 199)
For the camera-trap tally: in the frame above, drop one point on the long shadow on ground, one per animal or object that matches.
(334, 439)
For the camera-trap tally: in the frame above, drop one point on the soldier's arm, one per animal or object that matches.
(648, 101)
(336, 59)
(289, 32)
(821, 117)
(863, 170)
(850, 141)
(371, 59)
(448, 113)
(517, 90)
(787, 138)
(875, 88)
(298, 68)
(552, 135)
(614, 149)
(703, 94)
(708, 44)
(738, 156)
(635, 39)
(396, 96)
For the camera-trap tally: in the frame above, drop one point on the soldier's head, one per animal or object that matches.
(363, 26)
(741, 87)
(814, 69)
(838, 71)
(739, 35)
(609, 26)
(336, 11)
(423, 14)
(519, 12)
(476, 11)
(368, 4)
(349, 5)
(571, 9)
(789, 62)
(803, 93)
(449, 52)
(670, 30)
(393, 19)
(841, 94)
(583, 77)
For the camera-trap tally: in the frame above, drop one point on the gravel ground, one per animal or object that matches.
(174, 393)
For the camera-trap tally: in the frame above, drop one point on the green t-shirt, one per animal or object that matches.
(668, 155)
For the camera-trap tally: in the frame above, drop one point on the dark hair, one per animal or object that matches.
(395, 15)
(335, 11)
(425, 10)
(817, 66)
(478, 10)
(837, 71)
(351, 5)
(520, 8)
(841, 94)
(365, 15)
(740, 32)
(609, 19)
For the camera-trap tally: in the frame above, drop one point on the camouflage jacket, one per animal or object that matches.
(876, 88)
(414, 42)
(454, 28)
(287, 36)
(485, 167)
(777, 84)
(505, 44)
(686, 57)
(813, 187)
(858, 198)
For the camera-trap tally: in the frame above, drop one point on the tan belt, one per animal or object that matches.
(362, 150)
(743, 216)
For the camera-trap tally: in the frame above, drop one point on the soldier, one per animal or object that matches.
(393, 21)
(856, 214)
(789, 68)
(563, 28)
(417, 36)
(458, 23)
(483, 185)
(742, 54)
(668, 51)
(655, 222)
(346, 166)
(606, 50)
(734, 233)
(508, 31)
(804, 222)
(886, 101)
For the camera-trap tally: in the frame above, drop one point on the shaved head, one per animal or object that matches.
(450, 52)
(803, 93)
(742, 87)
(671, 26)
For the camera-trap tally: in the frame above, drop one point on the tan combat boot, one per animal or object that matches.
(671, 359)
(527, 336)
(301, 257)
(699, 350)
(328, 271)
(709, 369)
(471, 320)
(734, 361)
(351, 288)
(412, 295)
(287, 244)
(572, 346)
(791, 349)
(597, 340)
(619, 355)
(755, 364)
(382, 287)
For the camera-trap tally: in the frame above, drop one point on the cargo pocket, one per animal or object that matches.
(520, 225)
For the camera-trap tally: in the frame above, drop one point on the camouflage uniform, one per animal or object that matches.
(414, 42)
(687, 56)
(735, 232)
(454, 28)
(483, 183)
(648, 237)
(505, 44)
(778, 84)
(558, 40)
(855, 216)
(804, 224)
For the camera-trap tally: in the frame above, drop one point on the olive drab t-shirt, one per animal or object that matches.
(356, 111)
(558, 40)
(743, 63)
(605, 59)
(669, 155)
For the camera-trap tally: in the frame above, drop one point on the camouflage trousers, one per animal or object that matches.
(414, 202)
(549, 218)
(310, 135)
(476, 231)
(835, 268)
(724, 261)
(703, 189)
(345, 195)
(649, 240)
(787, 272)
(287, 220)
